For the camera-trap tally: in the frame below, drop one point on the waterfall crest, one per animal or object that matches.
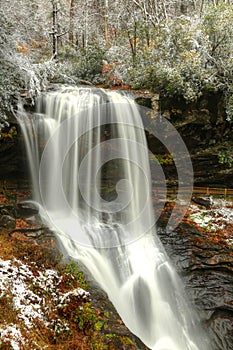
(88, 158)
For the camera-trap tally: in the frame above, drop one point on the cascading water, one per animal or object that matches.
(89, 163)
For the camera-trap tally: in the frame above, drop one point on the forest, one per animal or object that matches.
(180, 48)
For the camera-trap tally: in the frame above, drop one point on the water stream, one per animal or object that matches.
(88, 158)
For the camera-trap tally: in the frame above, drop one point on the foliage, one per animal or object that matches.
(117, 65)
(84, 64)
(173, 64)
(218, 28)
(163, 159)
(18, 72)
(72, 269)
(226, 157)
(142, 43)
(87, 319)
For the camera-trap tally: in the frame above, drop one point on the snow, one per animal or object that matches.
(13, 276)
(79, 292)
(30, 287)
(217, 218)
(12, 335)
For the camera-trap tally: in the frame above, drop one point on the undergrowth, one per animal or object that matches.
(68, 319)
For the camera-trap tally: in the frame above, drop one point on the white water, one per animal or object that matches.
(113, 235)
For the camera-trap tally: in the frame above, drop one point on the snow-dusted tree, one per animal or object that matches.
(217, 22)
(21, 43)
(180, 47)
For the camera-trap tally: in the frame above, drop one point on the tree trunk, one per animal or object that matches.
(54, 32)
(133, 43)
(201, 6)
(71, 29)
(106, 23)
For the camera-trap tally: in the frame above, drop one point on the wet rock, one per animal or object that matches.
(6, 209)
(211, 292)
(122, 338)
(222, 323)
(204, 201)
(144, 101)
(26, 210)
(7, 222)
(206, 268)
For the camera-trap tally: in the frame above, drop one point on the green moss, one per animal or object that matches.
(74, 271)
(122, 339)
(225, 157)
(87, 319)
(163, 159)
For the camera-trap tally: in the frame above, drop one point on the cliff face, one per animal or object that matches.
(206, 132)
(202, 126)
(202, 255)
(13, 163)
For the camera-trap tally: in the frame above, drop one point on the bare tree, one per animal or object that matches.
(71, 25)
(106, 23)
(54, 32)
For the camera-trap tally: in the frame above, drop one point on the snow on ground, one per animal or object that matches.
(216, 218)
(13, 336)
(28, 289)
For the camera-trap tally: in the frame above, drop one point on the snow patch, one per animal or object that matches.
(215, 219)
(28, 288)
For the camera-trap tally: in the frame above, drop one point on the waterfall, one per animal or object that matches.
(88, 158)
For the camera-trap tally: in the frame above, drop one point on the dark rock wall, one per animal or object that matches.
(202, 125)
(13, 162)
(206, 132)
(207, 271)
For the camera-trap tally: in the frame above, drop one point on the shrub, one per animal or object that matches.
(82, 64)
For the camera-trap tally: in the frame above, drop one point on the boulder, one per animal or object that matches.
(203, 201)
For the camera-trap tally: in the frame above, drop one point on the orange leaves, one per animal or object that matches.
(106, 68)
(109, 72)
(3, 199)
(20, 223)
(23, 48)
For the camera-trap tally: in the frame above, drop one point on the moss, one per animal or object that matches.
(73, 271)
(163, 159)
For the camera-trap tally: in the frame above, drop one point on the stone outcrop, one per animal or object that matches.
(205, 130)
(206, 266)
(13, 164)
(202, 126)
